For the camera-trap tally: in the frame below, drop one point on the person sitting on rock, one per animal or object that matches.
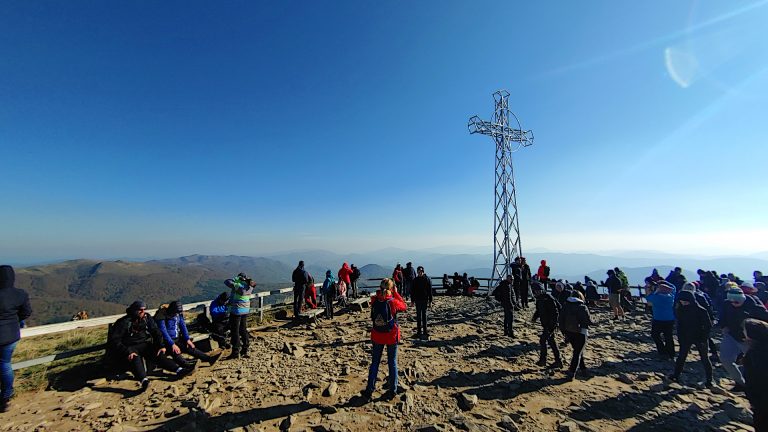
(135, 338)
(176, 336)
(385, 333)
(693, 327)
(592, 295)
(755, 372)
(574, 323)
(310, 294)
(548, 312)
(219, 326)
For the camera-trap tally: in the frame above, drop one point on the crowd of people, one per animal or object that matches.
(138, 342)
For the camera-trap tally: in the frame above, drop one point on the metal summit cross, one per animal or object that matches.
(508, 140)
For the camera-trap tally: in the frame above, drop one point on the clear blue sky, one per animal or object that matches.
(167, 128)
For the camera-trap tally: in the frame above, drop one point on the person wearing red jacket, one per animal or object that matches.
(385, 332)
(344, 272)
(397, 276)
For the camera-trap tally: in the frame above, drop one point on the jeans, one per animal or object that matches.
(6, 371)
(218, 330)
(730, 349)
(378, 350)
(578, 341)
(407, 289)
(702, 347)
(421, 317)
(328, 305)
(509, 319)
(353, 288)
(665, 346)
(548, 337)
(298, 299)
(239, 333)
(194, 352)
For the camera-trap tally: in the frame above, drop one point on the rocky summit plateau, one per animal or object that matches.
(466, 377)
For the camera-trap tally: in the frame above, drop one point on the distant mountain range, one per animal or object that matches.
(105, 287)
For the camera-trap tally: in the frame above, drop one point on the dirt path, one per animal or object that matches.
(309, 379)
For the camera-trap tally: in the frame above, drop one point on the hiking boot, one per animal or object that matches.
(425, 337)
(367, 395)
(213, 359)
(542, 362)
(388, 396)
(234, 356)
(418, 336)
(4, 404)
(558, 364)
(144, 384)
(182, 372)
(245, 355)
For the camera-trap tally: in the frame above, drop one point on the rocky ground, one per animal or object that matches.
(467, 377)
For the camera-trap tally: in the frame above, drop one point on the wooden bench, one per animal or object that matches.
(312, 314)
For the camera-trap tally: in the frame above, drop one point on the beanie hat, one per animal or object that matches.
(133, 309)
(735, 295)
(175, 307)
(686, 296)
(748, 288)
(689, 287)
(665, 288)
(560, 286)
(760, 286)
(731, 285)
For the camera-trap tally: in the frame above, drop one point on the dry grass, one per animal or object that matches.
(43, 345)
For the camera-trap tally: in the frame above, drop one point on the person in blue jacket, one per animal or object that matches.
(663, 302)
(219, 311)
(176, 337)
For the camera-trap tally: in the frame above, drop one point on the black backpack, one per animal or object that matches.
(382, 316)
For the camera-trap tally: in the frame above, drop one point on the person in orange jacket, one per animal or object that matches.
(385, 332)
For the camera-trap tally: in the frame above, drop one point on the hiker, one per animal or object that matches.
(239, 309)
(14, 309)
(345, 275)
(561, 294)
(755, 372)
(548, 313)
(762, 293)
(397, 277)
(516, 270)
(503, 294)
(219, 311)
(385, 332)
(421, 293)
(574, 323)
(310, 294)
(738, 307)
(353, 278)
(676, 278)
(300, 277)
(592, 295)
(455, 284)
(704, 301)
(525, 283)
(655, 276)
(465, 284)
(693, 327)
(170, 321)
(409, 274)
(474, 285)
(542, 274)
(329, 293)
(135, 338)
(662, 327)
(446, 283)
(613, 283)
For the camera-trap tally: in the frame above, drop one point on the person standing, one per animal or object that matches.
(548, 312)
(574, 323)
(385, 333)
(693, 327)
(300, 278)
(353, 278)
(516, 270)
(677, 278)
(543, 274)
(421, 293)
(503, 294)
(738, 307)
(329, 293)
(614, 285)
(14, 309)
(409, 274)
(525, 282)
(345, 275)
(663, 302)
(397, 277)
(239, 309)
(755, 372)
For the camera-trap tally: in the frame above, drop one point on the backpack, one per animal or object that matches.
(161, 313)
(381, 314)
(546, 271)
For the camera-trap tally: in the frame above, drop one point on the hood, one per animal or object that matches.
(7, 277)
(133, 309)
(223, 297)
(345, 266)
(574, 300)
(687, 296)
(655, 272)
(328, 273)
(543, 262)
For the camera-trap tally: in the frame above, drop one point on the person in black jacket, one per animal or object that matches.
(421, 294)
(135, 337)
(300, 279)
(353, 278)
(561, 293)
(503, 293)
(755, 372)
(14, 309)
(615, 286)
(548, 312)
(693, 327)
(525, 283)
(738, 307)
(574, 323)
(409, 274)
(516, 268)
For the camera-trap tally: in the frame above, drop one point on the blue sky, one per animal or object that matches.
(160, 129)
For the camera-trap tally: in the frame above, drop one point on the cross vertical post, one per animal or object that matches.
(508, 139)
